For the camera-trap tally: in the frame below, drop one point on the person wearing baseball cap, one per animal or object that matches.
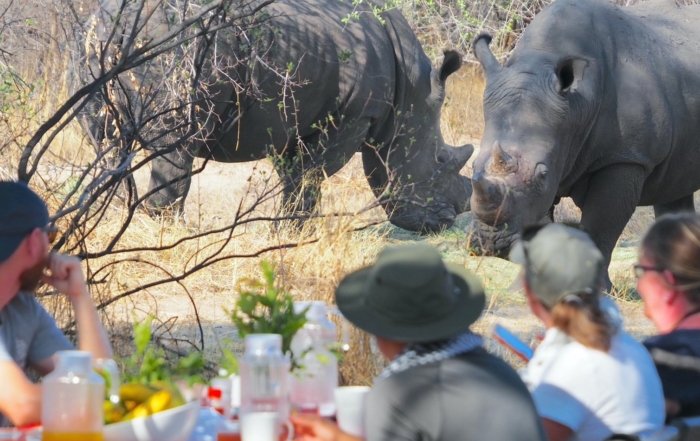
(29, 336)
(440, 384)
(589, 379)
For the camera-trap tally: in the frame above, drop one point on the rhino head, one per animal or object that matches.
(419, 173)
(538, 109)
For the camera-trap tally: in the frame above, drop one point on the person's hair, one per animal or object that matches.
(581, 317)
(673, 244)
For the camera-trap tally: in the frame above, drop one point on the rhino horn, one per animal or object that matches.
(484, 55)
(486, 191)
(501, 162)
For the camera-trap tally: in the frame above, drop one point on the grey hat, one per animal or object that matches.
(559, 261)
(21, 212)
(410, 295)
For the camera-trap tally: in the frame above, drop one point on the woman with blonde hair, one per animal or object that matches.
(668, 280)
(588, 378)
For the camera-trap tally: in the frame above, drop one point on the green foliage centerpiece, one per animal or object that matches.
(263, 307)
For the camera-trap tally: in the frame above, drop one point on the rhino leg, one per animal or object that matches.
(322, 154)
(171, 175)
(610, 200)
(301, 177)
(683, 204)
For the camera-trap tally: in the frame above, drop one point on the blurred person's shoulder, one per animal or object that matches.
(474, 370)
(474, 390)
(22, 305)
(682, 341)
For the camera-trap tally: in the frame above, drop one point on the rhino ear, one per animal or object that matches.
(570, 74)
(450, 64)
(484, 55)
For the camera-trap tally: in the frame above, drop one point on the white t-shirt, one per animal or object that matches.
(596, 394)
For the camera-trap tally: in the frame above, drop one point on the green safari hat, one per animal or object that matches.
(410, 295)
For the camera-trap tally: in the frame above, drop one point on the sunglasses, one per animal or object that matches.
(640, 269)
(51, 232)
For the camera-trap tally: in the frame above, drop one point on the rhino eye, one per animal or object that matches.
(541, 171)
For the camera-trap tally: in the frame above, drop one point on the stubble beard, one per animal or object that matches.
(30, 278)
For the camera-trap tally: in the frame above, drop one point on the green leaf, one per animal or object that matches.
(229, 361)
(265, 307)
(246, 303)
(142, 335)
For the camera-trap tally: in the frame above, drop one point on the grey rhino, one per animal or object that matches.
(365, 85)
(599, 103)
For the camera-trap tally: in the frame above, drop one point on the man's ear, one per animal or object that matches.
(34, 243)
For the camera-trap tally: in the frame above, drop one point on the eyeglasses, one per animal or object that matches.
(640, 269)
(51, 232)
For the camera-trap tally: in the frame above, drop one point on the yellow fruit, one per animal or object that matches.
(113, 412)
(130, 405)
(176, 399)
(135, 392)
(157, 402)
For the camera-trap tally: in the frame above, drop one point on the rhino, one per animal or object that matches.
(597, 102)
(363, 84)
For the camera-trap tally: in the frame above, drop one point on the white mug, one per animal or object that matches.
(263, 426)
(350, 409)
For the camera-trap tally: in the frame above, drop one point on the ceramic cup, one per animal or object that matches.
(264, 426)
(350, 409)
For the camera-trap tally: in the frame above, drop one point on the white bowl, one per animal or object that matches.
(170, 425)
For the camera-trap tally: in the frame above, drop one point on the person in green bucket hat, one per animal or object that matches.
(440, 383)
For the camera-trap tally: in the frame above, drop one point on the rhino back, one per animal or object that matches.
(333, 69)
(339, 71)
(677, 30)
(412, 70)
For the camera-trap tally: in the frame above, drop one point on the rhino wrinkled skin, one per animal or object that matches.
(372, 80)
(599, 103)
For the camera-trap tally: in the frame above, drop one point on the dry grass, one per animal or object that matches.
(462, 115)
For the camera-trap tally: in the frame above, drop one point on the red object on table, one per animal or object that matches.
(215, 396)
(30, 426)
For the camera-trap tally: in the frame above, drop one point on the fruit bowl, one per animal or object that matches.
(174, 424)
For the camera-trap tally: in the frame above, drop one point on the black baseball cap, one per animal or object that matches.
(21, 212)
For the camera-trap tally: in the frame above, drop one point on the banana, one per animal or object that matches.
(157, 402)
(130, 405)
(177, 398)
(135, 392)
(113, 413)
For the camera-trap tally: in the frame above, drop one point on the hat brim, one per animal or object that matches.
(517, 253)
(8, 246)
(351, 299)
